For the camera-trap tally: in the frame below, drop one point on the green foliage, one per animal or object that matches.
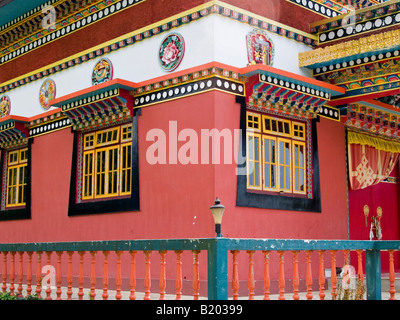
(8, 296)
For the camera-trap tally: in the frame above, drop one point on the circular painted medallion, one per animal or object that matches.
(5, 106)
(47, 93)
(171, 52)
(102, 71)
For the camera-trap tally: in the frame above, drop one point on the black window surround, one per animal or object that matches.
(124, 204)
(247, 198)
(18, 213)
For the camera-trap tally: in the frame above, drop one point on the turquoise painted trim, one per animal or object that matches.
(18, 8)
(373, 275)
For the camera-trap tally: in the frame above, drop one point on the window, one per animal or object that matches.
(107, 163)
(105, 170)
(276, 154)
(17, 176)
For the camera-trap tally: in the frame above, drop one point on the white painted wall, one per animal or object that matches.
(213, 38)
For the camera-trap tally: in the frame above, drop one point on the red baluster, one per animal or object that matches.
(267, 281)
(250, 282)
(105, 276)
(333, 275)
(281, 281)
(93, 275)
(4, 287)
(132, 280)
(296, 281)
(20, 274)
(12, 274)
(118, 278)
(346, 257)
(163, 282)
(178, 282)
(196, 275)
(321, 275)
(58, 275)
(235, 275)
(80, 276)
(360, 266)
(309, 276)
(29, 274)
(48, 285)
(147, 279)
(39, 274)
(69, 276)
(392, 277)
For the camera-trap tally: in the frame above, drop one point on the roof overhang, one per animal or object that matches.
(98, 105)
(269, 87)
(13, 131)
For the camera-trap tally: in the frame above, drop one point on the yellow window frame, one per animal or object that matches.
(284, 165)
(126, 167)
(251, 120)
(106, 172)
(299, 167)
(112, 136)
(88, 175)
(16, 185)
(102, 146)
(126, 133)
(299, 125)
(253, 163)
(270, 163)
(278, 120)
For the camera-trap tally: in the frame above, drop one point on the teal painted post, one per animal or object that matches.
(217, 256)
(373, 275)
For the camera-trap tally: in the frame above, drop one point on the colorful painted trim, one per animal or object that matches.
(351, 50)
(341, 28)
(47, 93)
(323, 7)
(372, 117)
(359, 68)
(66, 26)
(171, 52)
(12, 134)
(191, 88)
(50, 126)
(103, 71)
(212, 7)
(329, 113)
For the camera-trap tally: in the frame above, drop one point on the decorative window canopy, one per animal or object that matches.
(98, 105)
(289, 93)
(13, 131)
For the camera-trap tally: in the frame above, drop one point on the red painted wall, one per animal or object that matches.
(384, 195)
(175, 199)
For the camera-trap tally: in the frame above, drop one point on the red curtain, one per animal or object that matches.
(369, 166)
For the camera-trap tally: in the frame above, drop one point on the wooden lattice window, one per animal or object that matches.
(107, 163)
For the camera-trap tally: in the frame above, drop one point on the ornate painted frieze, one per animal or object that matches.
(80, 21)
(373, 45)
(358, 22)
(69, 23)
(260, 49)
(373, 118)
(213, 78)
